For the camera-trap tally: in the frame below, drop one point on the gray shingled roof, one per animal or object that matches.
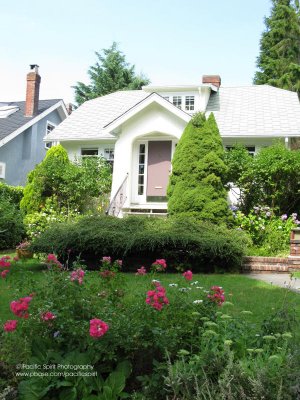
(88, 121)
(258, 110)
(17, 119)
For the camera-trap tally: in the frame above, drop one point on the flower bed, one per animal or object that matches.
(145, 336)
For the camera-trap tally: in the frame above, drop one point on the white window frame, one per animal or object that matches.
(189, 107)
(48, 145)
(109, 149)
(2, 170)
(89, 155)
(177, 99)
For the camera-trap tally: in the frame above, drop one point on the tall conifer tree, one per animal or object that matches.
(196, 186)
(279, 59)
(110, 74)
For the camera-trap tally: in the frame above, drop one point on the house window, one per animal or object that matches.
(89, 152)
(190, 103)
(109, 154)
(2, 170)
(251, 149)
(177, 101)
(141, 171)
(49, 129)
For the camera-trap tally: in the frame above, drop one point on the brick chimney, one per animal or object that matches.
(213, 79)
(32, 91)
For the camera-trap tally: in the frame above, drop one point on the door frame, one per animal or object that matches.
(142, 199)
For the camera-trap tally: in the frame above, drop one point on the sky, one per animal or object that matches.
(170, 41)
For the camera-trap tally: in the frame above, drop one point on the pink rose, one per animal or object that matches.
(98, 328)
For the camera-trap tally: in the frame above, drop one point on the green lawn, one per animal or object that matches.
(245, 293)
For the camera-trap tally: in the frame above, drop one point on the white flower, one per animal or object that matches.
(197, 301)
(173, 284)
(199, 287)
(194, 283)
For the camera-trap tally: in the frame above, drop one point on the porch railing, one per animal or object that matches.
(118, 200)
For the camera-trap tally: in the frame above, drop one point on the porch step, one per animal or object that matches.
(150, 212)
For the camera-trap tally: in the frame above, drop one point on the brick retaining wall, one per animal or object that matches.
(271, 264)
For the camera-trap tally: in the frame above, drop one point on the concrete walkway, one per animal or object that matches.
(279, 279)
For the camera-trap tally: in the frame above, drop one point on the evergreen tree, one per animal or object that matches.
(279, 59)
(196, 186)
(110, 73)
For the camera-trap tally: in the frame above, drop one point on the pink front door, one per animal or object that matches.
(159, 166)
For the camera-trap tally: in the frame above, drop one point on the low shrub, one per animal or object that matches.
(12, 193)
(138, 239)
(11, 224)
(269, 233)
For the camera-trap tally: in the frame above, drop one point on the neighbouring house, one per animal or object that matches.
(23, 125)
(137, 131)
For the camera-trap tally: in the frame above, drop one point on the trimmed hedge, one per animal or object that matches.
(139, 240)
(11, 224)
(12, 193)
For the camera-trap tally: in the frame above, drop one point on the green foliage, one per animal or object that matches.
(273, 180)
(13, 193)
(11, 224)
(279, 59)
(70, 186)
(110, 74)
(178, 239)
(238, 161)
(270, 234)
(196, 186)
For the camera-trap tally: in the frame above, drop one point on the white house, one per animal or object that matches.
(138, 130)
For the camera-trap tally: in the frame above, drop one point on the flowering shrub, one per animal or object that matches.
(48, 316)
(23, 245)
(4, 262)
(159, 265)
(4, 273)
(97, 328)
(141, 271)
(10, 325)
(157, 298)
(77, 275)
(20, 307)
(217, 295)
(266, 230)
(52, 262)
(188, 275)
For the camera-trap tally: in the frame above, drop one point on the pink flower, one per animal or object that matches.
(107, 274)
(77, 275)
(4, 263)
(157, 298)
(4, 273)
(217, 295)
(16, 258)
(120, 262)
(188, 275)
(106, 259)
(48, 316)
(20, 307)
(98, 328)
(52, 262)
(141, 271)
(10, 325)
(159, 265)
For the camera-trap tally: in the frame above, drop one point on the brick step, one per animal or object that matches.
(266, 267)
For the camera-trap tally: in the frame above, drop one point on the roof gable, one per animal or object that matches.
(16, 123)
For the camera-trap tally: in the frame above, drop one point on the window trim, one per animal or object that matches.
(53, 125)
(3, 165)
(89, 155)
(188, 106)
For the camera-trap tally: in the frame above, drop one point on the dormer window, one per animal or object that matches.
(190, 103)
(177, 101)
(49, 129)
